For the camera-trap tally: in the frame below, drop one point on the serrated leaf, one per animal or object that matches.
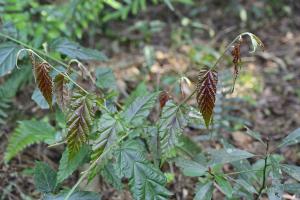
(79, 120)
(68, 166)
(206, 92)
(75, 51)
(8, 53)
(44, 81)
(44, 177)
(228, 155)
(145, 181)
(170, 126)
(224, 185)
(39, 99)
(61, 91)
(190, 167)
(140, 108)
(204, 191)
(105, 78)
(110, 175)
(27, 133)
(291, 139)
(292, 170)
(107, 134)
(79, 195)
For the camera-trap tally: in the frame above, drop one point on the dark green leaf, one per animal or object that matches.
(44, 177)
(75, 51)
(105, 78)
(190, 167)
(68, 166)
(145, 181)
(204, 191)
(27, 133)
(224, 185)
(110, 175)
(8, 54)
(228, 155)
(82, 195)
(292, 138)
(292, 170)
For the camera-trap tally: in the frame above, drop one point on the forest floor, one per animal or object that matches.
(273, 109)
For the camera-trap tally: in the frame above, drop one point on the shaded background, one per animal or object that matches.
(157, 44)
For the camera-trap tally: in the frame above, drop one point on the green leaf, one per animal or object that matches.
(145, 181)
(140, 108)
(39, 99)
(275, 193)
(246, 186)
(110, 175)
(190, 167)
(292, 170)
(228, 155)
(140, 90)
(291, 139)
(44, 177)
(27, 133)
(107, 134)
(204, 191)
(170, 126)
(105, 78)
(75, 51)
(254, 134)
(68, 166)
(79, 195)
(293, 188)
(8, 54)
(224, 185)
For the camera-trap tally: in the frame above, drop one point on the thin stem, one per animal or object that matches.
(263, 185)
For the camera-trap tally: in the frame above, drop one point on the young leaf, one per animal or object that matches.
(68, 166)
(78, 195)
(107, 133)
(27, 133)
(190, 167)
(236, 54)
(75, 51)
(228, 155)
(8, 53)
(44, 81)
(204, 191)
(256, 42)
(206, 92)
(61, 91)
(170, 126)
(145, 181)
(292, 170)
(44, 177)
(79, 121)
(224, 185)
(291, 139)
(163, 98)
(137, 112)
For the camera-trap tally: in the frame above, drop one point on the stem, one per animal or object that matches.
(264, 173)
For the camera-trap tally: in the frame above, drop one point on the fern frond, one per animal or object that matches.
(27, 133)
(79, 120)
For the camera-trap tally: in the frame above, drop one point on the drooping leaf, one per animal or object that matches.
(190, 167)
(68, 166)
(206, 93)
(61, 91)
(224, 185)
(292, 170)
(236, 54)
(107, 134)
(291, 139)
(204, 191)
(145, 181)
(75, 51)
(170, 126)
(228, 155)
(140, 108)
(254, 134)
(39, 99)
(27, 133)
(256, 42)
(44, 177)
(78, 195)
(8, 53)
(44, 81)
(79, 120)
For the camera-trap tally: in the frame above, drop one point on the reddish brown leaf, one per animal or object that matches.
(44, 81)
(206, 92)
(163, 98)
(61, 91)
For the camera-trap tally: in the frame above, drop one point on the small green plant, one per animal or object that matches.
(121, 142)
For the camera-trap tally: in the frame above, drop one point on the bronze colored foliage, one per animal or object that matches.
(61, 91)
